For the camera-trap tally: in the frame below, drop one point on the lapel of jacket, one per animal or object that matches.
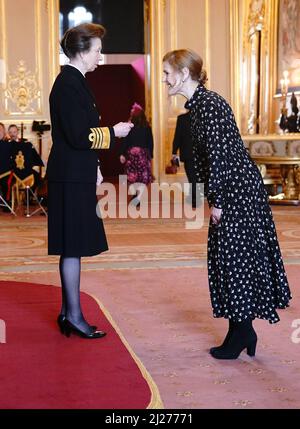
(88, 89)
(79, 75)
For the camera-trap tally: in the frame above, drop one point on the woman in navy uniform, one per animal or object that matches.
(74, 230)
(245, 268)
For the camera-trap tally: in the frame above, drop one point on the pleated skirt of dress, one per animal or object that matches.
(246, 273)
(74, 228)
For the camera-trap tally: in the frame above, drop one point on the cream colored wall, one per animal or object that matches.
(219, 47)
(29, 59)
(201, 25)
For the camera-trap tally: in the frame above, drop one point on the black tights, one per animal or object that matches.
(69, 268)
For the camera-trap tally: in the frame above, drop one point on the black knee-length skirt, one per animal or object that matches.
(74, 228)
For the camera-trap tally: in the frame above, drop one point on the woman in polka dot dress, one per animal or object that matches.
(245, 269)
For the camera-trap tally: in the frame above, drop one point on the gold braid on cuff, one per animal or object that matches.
(100, 138)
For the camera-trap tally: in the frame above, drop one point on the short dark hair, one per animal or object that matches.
(78, 39)
(12, 126)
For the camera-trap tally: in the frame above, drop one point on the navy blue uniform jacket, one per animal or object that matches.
(76, 131)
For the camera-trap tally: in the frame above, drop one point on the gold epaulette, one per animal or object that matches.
(100, 138)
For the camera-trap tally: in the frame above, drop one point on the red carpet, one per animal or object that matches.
(40, 368)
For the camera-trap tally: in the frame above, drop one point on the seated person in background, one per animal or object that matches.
(24, 158)
(183, 142)
(13, 133)
(137, 151)
(5, 163)
(3, 132)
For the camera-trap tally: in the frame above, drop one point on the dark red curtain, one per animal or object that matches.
(116, 88)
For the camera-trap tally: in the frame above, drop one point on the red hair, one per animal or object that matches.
(181, 58)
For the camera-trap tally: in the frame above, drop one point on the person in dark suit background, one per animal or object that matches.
(5, 164)
(183, 142)
(74, 230)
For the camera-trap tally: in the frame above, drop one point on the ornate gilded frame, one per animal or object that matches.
(254, 70)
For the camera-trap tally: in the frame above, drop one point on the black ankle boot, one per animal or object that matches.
(228, 335)
(243, 336)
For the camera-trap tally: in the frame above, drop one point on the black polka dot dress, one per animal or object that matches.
(245, 268)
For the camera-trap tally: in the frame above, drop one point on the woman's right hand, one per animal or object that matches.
(122, 129)
(215, 215)
(122, 159)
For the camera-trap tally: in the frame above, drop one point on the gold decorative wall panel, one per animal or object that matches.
(177, 24)
(29, 62)
(29, 71)
(22, 94)
(235, 55)
(52, 8)
(258, 64)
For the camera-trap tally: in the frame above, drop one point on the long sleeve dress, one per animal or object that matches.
(246, 275)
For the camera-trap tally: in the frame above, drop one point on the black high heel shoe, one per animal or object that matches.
(68, 328)
(60, 321)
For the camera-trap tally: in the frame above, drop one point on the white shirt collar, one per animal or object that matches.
(70, 64)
